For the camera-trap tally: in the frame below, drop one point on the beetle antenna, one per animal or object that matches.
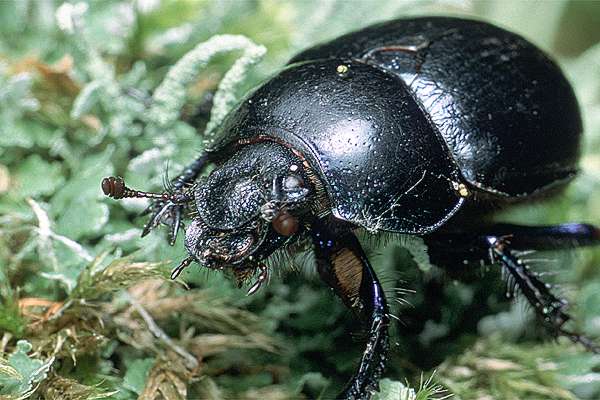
(115, 188)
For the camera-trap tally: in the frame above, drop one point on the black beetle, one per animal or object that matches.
(419, 126)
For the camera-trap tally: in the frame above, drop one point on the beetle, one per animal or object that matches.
(420, 126)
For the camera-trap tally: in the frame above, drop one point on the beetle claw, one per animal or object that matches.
(175, 225)
(147, 210)
(262, 277)
(179, 269)
(160, 211)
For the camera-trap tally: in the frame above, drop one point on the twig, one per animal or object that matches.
(72, 245)
(5, 339)
(45, 233)
(61, 310)
(190, 360)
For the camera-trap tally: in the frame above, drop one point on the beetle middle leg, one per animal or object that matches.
(168, 211)
(343, 265)
(501, 244)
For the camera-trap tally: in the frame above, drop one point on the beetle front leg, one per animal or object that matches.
(168, 211)
(343, 265)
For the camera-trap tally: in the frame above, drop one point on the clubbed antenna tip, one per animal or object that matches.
(115, 188)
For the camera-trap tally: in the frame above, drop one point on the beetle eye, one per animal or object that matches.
(293, 182)
(285, 224)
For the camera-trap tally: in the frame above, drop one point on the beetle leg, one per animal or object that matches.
(499, 244)
(263, 276)
(452, 249)
(553, 237)
(183, 265)
(549, 307)
(169, 212)
(343, 265)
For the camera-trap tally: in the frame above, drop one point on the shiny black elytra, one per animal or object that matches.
(417, 126)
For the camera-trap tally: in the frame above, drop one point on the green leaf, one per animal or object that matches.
(19, 375)
(86, 99)
(80, 213)
(137, 374)
(10, 315)
(393, 390)
(85, 181)
(82, 217)
(589, 303)
(12, 134)
(35, 177)
(67, 276)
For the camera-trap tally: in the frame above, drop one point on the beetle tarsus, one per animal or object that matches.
(576, 338)
(161, 209)
(547, 306)
(175, 226)
(170, 212)
(372, 363)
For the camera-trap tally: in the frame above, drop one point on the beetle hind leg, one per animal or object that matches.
(548, 307)
(504, 244)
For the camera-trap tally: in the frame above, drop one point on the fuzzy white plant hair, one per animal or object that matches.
(170, 95)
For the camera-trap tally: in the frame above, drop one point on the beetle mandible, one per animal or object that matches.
(417, 126)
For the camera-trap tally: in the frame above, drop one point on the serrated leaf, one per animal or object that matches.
(24, 372)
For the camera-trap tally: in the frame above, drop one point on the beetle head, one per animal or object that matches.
(247, 208)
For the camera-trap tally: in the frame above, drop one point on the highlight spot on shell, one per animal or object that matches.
(342, 70)
(461, 189)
